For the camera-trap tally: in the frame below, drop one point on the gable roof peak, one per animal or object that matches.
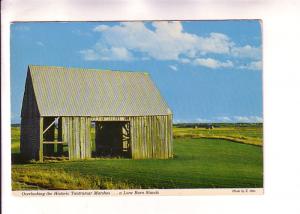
(62, 91)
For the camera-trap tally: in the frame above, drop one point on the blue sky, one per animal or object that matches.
(208, 71)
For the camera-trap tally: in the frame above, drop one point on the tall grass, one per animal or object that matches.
(37, 178)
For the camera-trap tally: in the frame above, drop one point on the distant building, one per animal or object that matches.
(204, 125)
(209, 126)
(129, 115)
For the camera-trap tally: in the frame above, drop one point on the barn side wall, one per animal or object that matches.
(151, 136)
(76, 132)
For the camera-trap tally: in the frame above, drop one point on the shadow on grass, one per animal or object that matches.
(16, 158)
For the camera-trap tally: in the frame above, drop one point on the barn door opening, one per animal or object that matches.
(112, 138)
(53, 145)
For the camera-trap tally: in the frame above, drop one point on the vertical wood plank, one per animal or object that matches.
(134, 138)
(77, 138)
(70, 135)
(81, 135)
(88, 138)
(41, 150)
(59, 137)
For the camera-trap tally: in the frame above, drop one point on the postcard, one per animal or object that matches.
(136, 108)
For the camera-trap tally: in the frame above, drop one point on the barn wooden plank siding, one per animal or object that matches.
(61, 106)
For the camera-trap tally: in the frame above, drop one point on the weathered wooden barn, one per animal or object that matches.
(62, 106)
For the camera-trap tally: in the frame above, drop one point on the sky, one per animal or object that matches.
(207, 71)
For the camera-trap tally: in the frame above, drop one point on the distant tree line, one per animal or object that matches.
(215, 125)
(15, 125)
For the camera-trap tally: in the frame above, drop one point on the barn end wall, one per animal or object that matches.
(151, 136)
(30, 123)
(30, 138)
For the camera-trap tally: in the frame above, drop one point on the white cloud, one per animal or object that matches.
(256, 65)
(202, 120)
(184, 60)
(173, 67)
(105, 53)
(247, 51)
(39, 43)
(101, 28)
(119, 53)
(215, 43)
(212, 63)
(165, 40)
(177, 121)
(224, 119)
(239, 119)
(248, 119)
(89, 55)
(198, 120)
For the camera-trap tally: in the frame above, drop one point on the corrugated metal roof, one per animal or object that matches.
(64, 91)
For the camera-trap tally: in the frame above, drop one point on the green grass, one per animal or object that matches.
(15, 140)
(39, 178)
(248, 135)
(198, 163)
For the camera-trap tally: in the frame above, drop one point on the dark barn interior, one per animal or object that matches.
(52, 137)
(112, 138)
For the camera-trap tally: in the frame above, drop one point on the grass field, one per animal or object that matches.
(202, 159)
(244, 134)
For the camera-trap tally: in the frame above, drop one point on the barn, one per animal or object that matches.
(64, 107)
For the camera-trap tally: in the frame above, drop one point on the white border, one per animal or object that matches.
(139, 192)
(281, 35)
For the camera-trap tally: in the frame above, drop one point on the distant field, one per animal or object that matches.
(201, 161)
(248, 134)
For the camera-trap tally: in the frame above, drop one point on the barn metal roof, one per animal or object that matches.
(62, 91)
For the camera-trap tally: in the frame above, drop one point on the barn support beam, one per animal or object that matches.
(50, 125)
(41, 150)
(49, 135)
(60, 149)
